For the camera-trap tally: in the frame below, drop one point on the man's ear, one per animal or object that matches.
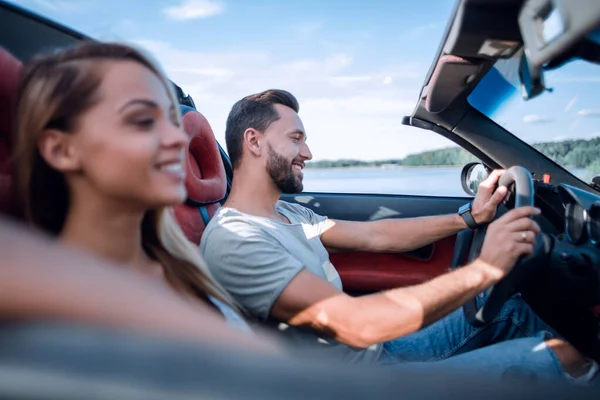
(56, 148)
(252, 141)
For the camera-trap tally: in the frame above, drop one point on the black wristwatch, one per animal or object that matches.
(465, 213)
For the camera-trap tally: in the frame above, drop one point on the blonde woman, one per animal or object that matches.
(99, 160)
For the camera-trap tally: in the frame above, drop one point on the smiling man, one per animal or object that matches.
(272, 257)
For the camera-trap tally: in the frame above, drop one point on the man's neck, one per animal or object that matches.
(254, 196)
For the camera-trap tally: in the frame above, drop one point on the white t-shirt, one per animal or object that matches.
(255, 258)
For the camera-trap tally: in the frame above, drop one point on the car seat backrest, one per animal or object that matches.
(206, 182)
(10, 69)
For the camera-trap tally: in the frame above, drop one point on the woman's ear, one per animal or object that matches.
(252, 141)
(56, 148)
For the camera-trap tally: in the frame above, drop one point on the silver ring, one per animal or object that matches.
(523, 236)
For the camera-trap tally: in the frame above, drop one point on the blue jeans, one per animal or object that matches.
(510, 345)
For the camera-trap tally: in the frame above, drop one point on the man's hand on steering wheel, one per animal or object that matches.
(505, 248)
(507, 239)
(488, 197)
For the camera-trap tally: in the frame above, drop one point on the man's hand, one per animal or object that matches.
(507, 239)
(487, 199)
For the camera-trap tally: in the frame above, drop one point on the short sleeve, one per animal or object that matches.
(308, 215)
(251, 265)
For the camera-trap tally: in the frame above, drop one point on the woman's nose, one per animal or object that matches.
(175, 137)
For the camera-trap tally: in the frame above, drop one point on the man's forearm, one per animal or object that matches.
(391, 314)
(405, 234)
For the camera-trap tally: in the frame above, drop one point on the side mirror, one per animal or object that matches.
(472, 175)
(595, 183)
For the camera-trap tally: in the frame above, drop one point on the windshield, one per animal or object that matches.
(563, 124)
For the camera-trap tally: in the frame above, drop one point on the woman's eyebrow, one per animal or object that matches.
(146, 102)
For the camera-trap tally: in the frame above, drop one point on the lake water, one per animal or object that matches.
(443, 181)
(417, 181)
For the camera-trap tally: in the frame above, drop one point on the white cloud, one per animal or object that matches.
(350, 79)
(216, 72)
(587, 112)
(387, 76)
(365, 105)
(330, 64)
(346, 110)
(536, 119)
(193, 9)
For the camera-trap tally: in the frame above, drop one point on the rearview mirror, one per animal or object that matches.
(472, 175)
(532, 84)
(551, 31)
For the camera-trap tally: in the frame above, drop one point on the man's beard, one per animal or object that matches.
(282, 173)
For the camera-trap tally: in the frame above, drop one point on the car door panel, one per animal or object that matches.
(368, 272)
(363, 272)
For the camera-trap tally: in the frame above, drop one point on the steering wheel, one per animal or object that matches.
(498, 294)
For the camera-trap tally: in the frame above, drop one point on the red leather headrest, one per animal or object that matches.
(206, 180)
(10, 69)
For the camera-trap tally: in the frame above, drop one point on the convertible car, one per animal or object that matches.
(492, 52)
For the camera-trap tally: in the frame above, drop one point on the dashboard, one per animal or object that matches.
(565, 291)
(582, 215)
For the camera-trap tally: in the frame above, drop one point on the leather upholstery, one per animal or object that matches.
(10, 69)
(206, 182)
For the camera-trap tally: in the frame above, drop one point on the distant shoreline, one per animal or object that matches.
(386, 167)
(570, 154)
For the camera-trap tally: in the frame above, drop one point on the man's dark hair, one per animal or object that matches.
(256, 111)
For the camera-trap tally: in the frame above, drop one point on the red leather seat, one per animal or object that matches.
(206, 181)
(10, 69)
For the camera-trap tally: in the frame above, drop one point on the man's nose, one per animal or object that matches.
(305, 152)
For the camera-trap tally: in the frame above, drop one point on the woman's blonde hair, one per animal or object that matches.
(55, 89)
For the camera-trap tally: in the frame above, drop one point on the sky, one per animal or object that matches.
(356, 66)
(570, 111)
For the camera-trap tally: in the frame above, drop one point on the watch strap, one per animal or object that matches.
(465, 213)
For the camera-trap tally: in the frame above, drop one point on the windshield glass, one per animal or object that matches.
(563, 124)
